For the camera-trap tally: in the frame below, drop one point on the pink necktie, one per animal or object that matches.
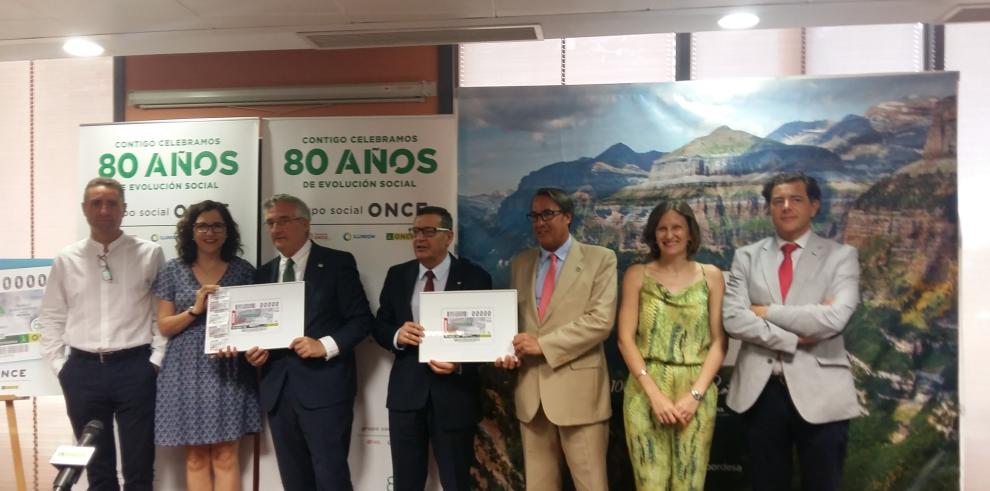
(548, 283)
(429, 287)
(786, 272)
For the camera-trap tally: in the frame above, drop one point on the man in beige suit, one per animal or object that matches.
(567, 296)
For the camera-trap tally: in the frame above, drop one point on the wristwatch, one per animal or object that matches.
(697, 395)
(191, 311)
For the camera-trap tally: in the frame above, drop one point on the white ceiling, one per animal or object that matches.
(36, 29)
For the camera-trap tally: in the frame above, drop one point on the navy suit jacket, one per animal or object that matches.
(454, 397)
(336, 306)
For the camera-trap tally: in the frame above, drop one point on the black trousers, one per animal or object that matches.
(311, 444)
(410, 435)
(119, 386)
(774, 428)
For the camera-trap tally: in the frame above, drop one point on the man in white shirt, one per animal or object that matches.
(98, 304)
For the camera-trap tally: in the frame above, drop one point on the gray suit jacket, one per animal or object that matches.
(822, 298)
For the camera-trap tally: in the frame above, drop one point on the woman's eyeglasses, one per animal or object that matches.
(202, 228)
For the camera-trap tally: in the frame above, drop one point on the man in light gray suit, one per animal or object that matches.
(788, 300)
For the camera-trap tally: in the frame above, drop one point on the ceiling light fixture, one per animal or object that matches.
(738, 20)
(82, 47)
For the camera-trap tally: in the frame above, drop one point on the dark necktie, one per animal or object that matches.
(429, 281)
(290, 271)
(786, 272)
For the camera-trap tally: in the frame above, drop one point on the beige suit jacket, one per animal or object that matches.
(571, 379)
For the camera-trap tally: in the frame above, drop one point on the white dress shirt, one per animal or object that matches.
(82, 309)
(299, 260)
(801, 242)
(440, 274)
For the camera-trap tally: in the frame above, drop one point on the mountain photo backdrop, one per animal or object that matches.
(884, 151)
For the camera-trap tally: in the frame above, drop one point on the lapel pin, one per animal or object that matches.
(319, 265)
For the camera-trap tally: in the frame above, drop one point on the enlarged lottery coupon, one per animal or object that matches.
(268, 316)
(467, 324)
(19, 336)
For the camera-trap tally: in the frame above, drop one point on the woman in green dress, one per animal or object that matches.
(671, 338)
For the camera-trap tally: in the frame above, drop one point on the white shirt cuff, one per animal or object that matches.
(395, 341)
(330, 346)
(57, 364)
(157, 357)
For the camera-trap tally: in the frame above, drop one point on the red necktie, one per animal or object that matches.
(548, 283)
(429, 281)
(786, 272)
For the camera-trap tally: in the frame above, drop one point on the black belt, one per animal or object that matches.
(109, 356)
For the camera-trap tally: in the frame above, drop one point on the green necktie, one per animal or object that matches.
(290, 271)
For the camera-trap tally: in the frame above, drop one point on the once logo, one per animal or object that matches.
(394, 209)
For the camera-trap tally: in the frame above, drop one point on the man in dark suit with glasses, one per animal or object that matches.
(433, 403)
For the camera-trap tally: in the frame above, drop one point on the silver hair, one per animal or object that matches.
(302, 211)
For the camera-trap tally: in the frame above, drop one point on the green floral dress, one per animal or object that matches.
(673, 336)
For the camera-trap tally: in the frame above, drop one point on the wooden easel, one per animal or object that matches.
(15, 441)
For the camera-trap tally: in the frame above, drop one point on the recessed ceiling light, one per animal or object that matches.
(82, 47)
(739, 20)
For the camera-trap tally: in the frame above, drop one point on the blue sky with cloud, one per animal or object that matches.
(506, 132)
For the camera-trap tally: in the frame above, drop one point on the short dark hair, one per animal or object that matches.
(185, 246)
(683, 209)
(446, 220)
(302, 211)
(810, 185)
(557, 195)
(104, 181)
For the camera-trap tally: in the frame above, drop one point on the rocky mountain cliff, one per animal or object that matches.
(598, 177)
(889, 189)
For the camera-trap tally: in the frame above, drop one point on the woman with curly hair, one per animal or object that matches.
(205, 404)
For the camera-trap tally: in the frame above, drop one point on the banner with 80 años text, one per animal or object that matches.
(165, 166)
(364, 179)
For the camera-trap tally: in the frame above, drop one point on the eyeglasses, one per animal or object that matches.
(203, 227)
(545, 215)
(427, 231)
(105, 273)
(281, 221)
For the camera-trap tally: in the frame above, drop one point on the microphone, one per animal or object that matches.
(68, 475)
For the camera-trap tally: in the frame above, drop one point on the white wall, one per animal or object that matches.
(966, 51)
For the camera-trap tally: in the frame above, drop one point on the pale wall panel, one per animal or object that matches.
(966, 52)
(70, 92)
(15, 98)
(758, 53)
